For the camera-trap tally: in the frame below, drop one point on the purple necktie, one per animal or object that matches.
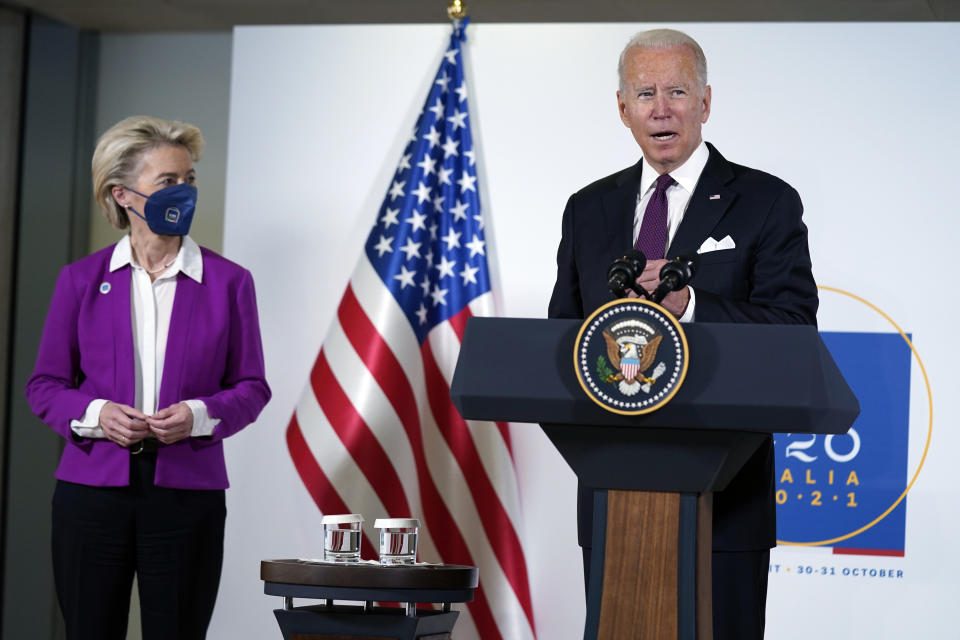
(652, 239)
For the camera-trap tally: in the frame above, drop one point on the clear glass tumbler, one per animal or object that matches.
(398, 540)
(341, 537)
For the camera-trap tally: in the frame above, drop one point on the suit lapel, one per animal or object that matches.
(619, 207)
(706, 208)
(177, 339)
(121, 310)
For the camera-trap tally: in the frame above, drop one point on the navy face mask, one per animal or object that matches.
(169, 211)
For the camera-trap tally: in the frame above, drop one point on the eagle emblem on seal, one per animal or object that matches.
(640, 362)
(631, 350)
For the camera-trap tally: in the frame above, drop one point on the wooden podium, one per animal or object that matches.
(655, 474)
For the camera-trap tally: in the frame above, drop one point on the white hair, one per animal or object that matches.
(665, 39)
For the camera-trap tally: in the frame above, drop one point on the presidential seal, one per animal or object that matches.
(631, 356)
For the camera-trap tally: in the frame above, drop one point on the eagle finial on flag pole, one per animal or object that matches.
(456, 10)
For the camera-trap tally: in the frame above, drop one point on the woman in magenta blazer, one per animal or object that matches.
(150, 357)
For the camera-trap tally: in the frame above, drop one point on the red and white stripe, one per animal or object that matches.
(376, 433)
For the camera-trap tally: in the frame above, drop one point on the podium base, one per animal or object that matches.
(650, 571)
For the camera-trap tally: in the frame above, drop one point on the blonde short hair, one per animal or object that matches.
(117, 158)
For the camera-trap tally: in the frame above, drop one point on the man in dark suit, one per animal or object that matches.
(684, 197)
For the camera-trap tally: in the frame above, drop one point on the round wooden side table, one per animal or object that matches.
(372, 586)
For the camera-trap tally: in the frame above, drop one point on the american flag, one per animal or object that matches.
(375, 431)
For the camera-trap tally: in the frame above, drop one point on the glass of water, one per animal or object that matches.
(398, 540)
(341, 537)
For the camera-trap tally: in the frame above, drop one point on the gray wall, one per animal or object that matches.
(51, 230)
(178, 76)
(12, 37)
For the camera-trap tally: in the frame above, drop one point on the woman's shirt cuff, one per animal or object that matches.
(89, 425)
(203, 424)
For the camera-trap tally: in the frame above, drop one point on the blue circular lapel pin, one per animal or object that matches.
(104, 287)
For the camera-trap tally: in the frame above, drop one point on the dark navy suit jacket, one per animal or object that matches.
(765, 278)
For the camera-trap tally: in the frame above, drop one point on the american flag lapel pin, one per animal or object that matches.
(715, 196)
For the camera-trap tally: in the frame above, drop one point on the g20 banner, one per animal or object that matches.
(849, 492)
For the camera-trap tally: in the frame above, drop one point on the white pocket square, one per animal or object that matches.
(716, 245)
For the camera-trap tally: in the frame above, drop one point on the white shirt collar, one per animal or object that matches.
(686, 174)
(189, 260)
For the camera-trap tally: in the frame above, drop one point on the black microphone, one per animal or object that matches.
(624, 271)
(675, 275)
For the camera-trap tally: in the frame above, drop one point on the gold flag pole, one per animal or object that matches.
(456, 10)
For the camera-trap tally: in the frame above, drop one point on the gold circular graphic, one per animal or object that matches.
(926, 447)
(682, 352)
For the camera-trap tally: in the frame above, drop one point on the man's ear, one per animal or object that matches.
(707, 97)
(622, 109)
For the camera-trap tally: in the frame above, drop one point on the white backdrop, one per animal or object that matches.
(858, 117)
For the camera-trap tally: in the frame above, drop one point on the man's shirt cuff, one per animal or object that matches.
(688, 313)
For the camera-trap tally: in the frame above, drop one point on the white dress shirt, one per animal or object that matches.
(151, 308)
(686, 177)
